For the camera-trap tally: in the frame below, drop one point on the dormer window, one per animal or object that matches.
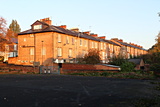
(37, 27)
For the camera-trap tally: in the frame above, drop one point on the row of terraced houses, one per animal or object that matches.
(45, 43)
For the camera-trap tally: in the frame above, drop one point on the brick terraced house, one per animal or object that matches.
(8, 48)
(46, 43)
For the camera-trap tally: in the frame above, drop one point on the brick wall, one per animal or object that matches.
(65, 69)
(77, 68)
(20, 68)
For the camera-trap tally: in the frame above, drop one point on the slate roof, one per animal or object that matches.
(135, 61)
(52, 28)
(129, 45)
(14, 40)
(110, 42)
(58, 29)
(3, 40)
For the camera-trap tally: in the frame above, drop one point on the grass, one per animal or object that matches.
(127, 75)
(146, 102)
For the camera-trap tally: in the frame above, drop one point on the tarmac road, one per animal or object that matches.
(71, 91)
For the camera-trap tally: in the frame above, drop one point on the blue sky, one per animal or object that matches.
(133, 21)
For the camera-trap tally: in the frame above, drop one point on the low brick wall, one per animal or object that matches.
(20, 68)
(65, 68)
(78, 68)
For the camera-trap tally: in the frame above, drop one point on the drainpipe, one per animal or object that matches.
(52, 46)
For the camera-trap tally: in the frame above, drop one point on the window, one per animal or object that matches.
(31, 35)
(43, 51)
(59, 38)
(85, 43)
(83, 53)
(36, 27)
(24, 39)
(103, 55)
(6, 48)
(31, 51)
(59, 50)
(15, 47)
(96, 45)
(70, 53)
(111, 47)
(104, 46)
(80, 42)
(67, 39)
(92, 44)
(73, 41)
(101, 45)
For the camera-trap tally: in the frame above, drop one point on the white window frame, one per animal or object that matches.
(73, 41)
(103, 55)
(59, 52)
(85, 43)
(104, 45)
(67, 39)
(83, 53)
(59, 38)
(31, 51)
(36, 27)
(15, 47)
(43, 51)
(92, 44)
(101, 45)
(70, 52)
(24, 39)
(95, 44)
(80, 42)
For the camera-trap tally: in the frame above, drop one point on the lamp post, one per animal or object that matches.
(42, 52)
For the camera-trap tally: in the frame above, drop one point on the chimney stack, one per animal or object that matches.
(114, 39)
(121, 40)
(102, 37)
(87, 32)
(63, 26)
(47, 20)
(94, 35)
(75, 29)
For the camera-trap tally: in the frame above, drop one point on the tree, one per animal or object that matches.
(3, 27)
(92, 57)
(14, 27)
(156, 47)
(118, 60)
(127, 67)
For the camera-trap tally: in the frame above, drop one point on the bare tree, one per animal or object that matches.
(3, 27)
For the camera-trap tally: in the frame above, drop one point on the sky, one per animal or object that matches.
(134, 21)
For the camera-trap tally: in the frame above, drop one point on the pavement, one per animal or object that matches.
(44, 90)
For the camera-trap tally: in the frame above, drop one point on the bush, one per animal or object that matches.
(1, 58)
(155, 67)
(92, 57)
(119, 60)
(127, 67)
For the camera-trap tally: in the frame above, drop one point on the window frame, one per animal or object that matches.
(59, 52)
(59, 38)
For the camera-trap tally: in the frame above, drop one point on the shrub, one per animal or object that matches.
(119, 60)
(155, 67)
(127, 67)
(92, 57)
